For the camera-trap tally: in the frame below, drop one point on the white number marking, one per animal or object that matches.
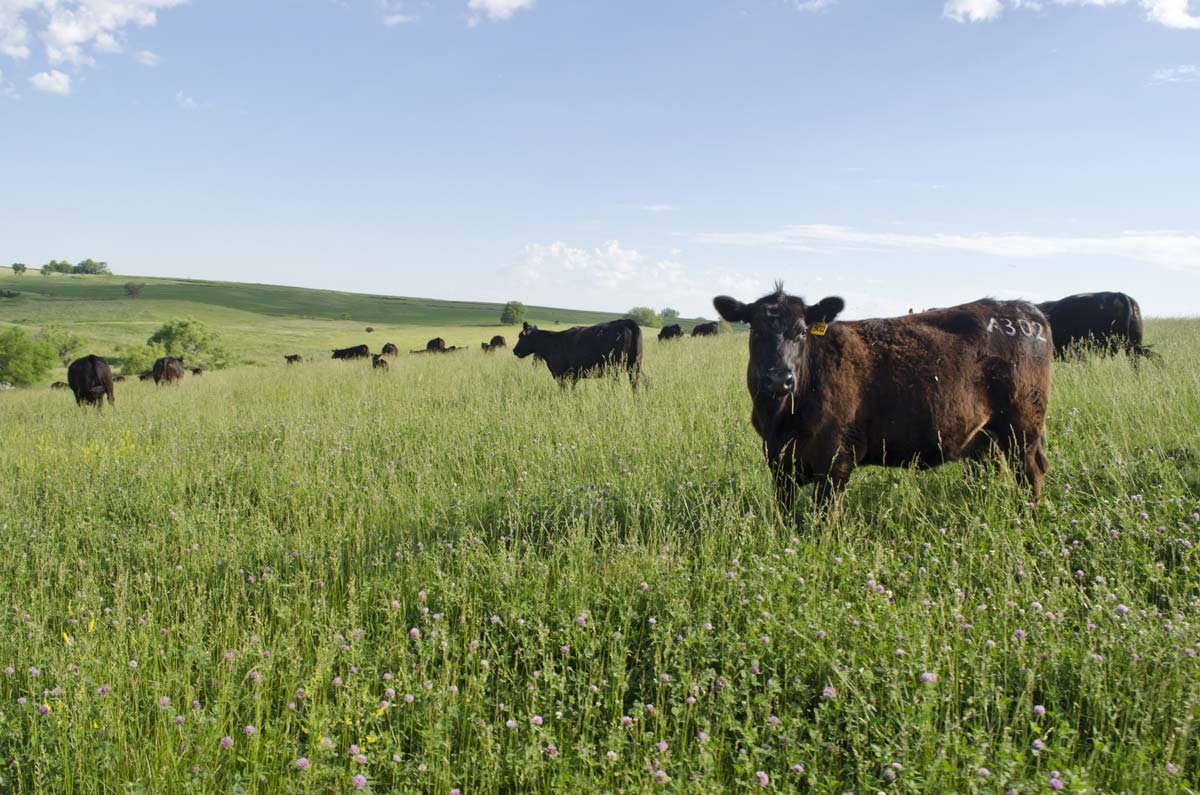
(1028, 328)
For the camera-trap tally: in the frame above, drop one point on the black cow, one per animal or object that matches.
(438, 345)
(671, 332)
(378, 362)
(91, 379)
(584, 351)
(197, 371)
(1105, 322)
(706, 330)
(496, 344)
(294, 358)
(146, 376)
(168, 370)
(118, 379)
(913, 390)
(60, 385)
(390, 350)
(356, 352)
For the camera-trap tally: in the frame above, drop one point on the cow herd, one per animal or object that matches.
(827, 396)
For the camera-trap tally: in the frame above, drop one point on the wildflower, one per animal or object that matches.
(1172, 769)
(249, 730)
(44, 708)
(612, 756)
(361, 759)
(626, 721)
(179, 720)
(414, 633)
(928, 677)
(829, 692)
(662, 746)
(763, 779)
(1122, 610)
(551, 750)
(702, 737)
(581, 620)
(456, 791)
(510, 724)
(1038, 745)
(537, 720)
(302, 763)
(359, 781)
(797, 768)
(226, 742)
(983, 772)
(1039, 710)
(408, 698)
(565, 649)
(132, 664)
(164, 702)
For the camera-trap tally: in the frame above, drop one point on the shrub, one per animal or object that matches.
(24, 360)
(514, 313)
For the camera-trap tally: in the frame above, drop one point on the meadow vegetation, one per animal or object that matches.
(455, 576)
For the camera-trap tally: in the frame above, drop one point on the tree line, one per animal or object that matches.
(87, 267)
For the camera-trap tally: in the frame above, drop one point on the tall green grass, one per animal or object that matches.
(490, 584)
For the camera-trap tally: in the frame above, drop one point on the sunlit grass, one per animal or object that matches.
(301, 550)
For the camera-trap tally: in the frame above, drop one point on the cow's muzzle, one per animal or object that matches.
(777, 383)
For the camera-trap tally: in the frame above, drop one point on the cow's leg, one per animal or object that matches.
(784, 469)
(1036, 465)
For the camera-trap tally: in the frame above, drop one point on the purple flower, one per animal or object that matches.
(1122, 610)
(359, 781)
(179, 720)
(510, 724)
(829, 692)
(551, 750)
(248, 730)
(662, 746)
(226, 742)
(1039, 710)
(164, 702)
(763, 779)
(537, 720)
(797, 768)
(928, 677)
(1038, 745)
(302, 763)
(1171, 769)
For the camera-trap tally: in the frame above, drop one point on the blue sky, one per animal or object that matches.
(611, 153)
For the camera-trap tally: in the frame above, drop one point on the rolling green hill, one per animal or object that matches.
(258, 323)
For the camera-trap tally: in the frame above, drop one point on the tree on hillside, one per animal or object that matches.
(644, 316)
(195, 342)
(19, 268)
(137, 359)
(89, 267)
(64, 343)
(57, 266)
(24, 360)
(668, 314)
(134, 289)
(513, 314)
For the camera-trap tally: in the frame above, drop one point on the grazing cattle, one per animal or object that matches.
(293, 358)
(584, 351)
(60, 385)
(146, 376)
(118, 379)
(706, 330)
(438, 345)
(168, 370)
(91, 379)
(913, 390)
(356, 352)
(197, 371)
(497, 342)
(671, 332)
(378, 362)
(1105, 322)
(390, 350)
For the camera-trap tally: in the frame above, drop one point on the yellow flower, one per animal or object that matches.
(371, 737)
(91, 625)
(67, 639)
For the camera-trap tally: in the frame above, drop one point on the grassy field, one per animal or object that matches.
(258, 323)
(456, 577)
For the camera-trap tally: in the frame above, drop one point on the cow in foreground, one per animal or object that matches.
(671, 332)
(706, 330)
(91, 380)
(354, 352)
(168, 370)
(584, 351)
(919, 389)
(1106, 322)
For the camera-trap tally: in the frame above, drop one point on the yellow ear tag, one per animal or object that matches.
(818, 329)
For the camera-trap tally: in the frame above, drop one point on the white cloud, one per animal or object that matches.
(1171, 249)
(147, 58)
(184, 101)
(1186, 73)
(496, 10)
(73, 31)
(656, 208)
(614, 277)
(813, 5)
(52, 82)
(1171, 13)
(392, 20)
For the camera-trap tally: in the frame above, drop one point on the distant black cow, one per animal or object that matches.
(438, 345)
(294, 358)
(390, 350)
(584, 351)
(918, 389)
(118, 379)
(378, 362)
(671, 332)
(706, 330)
(168, 370)
(197, 371)
(60, 385)
(356, 352)
(91, 379)
(1105, 322)
(146, 376)
(497, 342)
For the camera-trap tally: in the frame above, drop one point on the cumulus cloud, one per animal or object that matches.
(147, 58)
(496, 10)
(1177, 250)
(612, 276)
(73, 31)
(52, 82)
(1171, 13)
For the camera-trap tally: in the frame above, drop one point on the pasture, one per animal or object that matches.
(455, 576)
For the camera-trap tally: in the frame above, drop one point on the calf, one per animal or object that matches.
(918, 390)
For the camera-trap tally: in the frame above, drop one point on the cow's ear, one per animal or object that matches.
(731, 309)
(525, 326)
(825, 311)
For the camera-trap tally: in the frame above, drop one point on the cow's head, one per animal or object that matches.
(525, 345)
(780, 326)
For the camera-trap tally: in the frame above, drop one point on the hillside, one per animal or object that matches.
(258, 322)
